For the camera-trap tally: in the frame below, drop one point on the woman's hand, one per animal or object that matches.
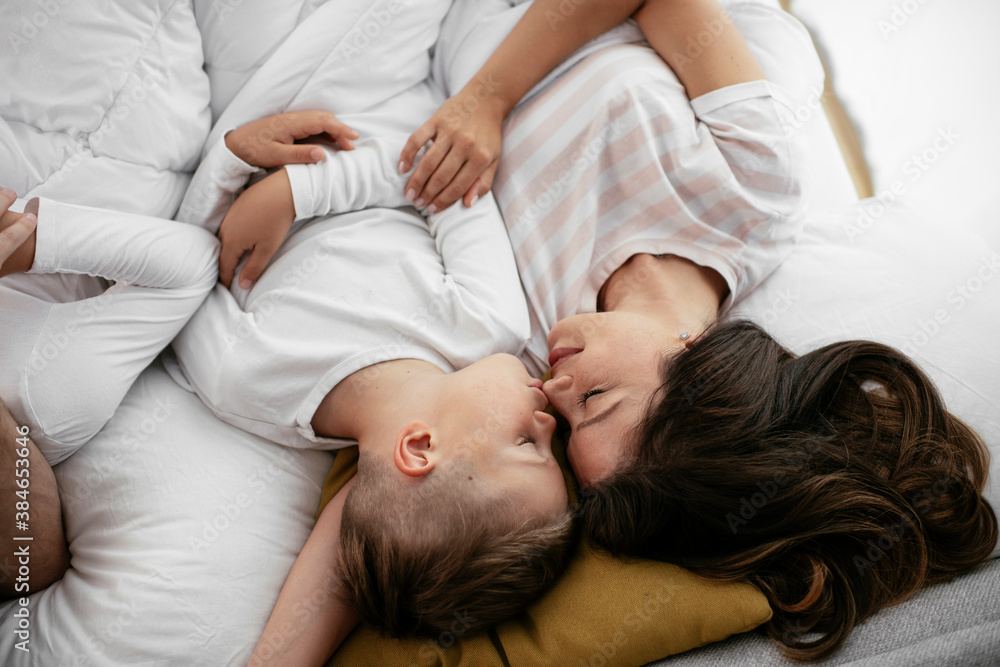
(461, 163)
(16, 229)
(257, 223)
(270, 141)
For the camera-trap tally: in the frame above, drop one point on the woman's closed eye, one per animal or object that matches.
(587, 395)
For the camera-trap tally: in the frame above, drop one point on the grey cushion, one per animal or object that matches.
(951, 624)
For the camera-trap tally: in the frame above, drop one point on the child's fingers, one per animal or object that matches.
(229, 257)
(256, 263)
(302, 124)
(417, 140)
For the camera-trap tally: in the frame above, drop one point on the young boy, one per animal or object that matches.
(366, 327)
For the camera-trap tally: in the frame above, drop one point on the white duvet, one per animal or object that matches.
(182, 528)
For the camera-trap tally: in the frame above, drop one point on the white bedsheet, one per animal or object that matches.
(182, 528)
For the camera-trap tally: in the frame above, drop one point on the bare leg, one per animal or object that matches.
(29, 508)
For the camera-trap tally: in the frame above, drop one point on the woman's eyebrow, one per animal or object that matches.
(599, 418)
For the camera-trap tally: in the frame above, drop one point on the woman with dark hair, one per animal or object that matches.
(836, 482)
(642, 202)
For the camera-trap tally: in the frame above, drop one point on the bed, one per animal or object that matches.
(182, 528)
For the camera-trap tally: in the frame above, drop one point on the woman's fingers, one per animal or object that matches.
(417, 140)
(459, 185)
(445, 173)
(481, 186)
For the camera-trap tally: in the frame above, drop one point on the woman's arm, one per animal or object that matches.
(673, 26)
(309, 622)
(466, 149)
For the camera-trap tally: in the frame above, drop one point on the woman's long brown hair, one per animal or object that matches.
(836, 482)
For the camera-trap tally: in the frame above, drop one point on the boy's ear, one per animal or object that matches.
(413, 449)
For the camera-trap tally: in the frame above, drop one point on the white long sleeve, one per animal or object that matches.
(65, 366)
(350, 180)
(477, 256)
(473, 243)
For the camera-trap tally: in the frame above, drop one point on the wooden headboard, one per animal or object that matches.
(843, 128)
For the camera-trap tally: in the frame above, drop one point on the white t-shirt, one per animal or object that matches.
(72, 347)
(348, 291)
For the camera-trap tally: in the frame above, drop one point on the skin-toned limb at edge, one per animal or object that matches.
(17, 235)
(48, 556)
(321, 620)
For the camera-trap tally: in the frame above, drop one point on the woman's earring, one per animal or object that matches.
(685, 335)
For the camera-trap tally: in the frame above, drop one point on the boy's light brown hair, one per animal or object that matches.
(413, 563)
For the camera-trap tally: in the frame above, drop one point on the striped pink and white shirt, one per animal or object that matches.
(612, 159)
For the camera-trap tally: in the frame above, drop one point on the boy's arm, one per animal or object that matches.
(259, 221)
(309, 622)
(478, 260)
(343, 182)
(268, 142)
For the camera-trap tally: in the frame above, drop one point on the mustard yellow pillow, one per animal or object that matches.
(603, 611)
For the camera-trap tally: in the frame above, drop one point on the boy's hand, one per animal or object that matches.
(270, 142)
(461, 163)
(257, 223)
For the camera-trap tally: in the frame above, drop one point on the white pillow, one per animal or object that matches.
(885, 274)
(182, 530)
(104, 103)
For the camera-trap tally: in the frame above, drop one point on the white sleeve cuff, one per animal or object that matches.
(231, 172)
(47, 239)
(303, 193)
(740, 92)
